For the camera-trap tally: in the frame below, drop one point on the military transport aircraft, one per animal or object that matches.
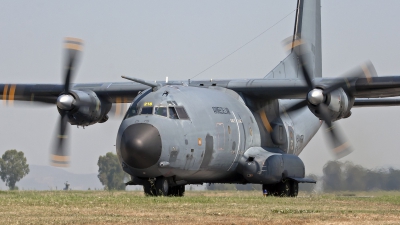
(218, 131)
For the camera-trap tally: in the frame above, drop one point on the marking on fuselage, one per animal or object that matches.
(238, 146)
(208, 152)
(148, 104)
(221, 110)
(265, 121)
(236, 121)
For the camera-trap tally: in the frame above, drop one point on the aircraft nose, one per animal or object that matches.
(140, 145)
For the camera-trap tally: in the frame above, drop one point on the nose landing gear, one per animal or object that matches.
(161, 187)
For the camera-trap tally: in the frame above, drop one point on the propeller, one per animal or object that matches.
(316, 97)
(66, 102)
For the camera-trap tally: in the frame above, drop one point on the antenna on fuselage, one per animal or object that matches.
(154, 85)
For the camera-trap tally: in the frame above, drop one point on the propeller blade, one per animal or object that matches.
(295, 106)
(73, 47)
(365, 70)
(60, 156)
(305, 72)
(325, 114)
(299, 48)
(340, 146)
(118, 110)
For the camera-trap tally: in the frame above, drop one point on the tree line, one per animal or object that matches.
(339, 176)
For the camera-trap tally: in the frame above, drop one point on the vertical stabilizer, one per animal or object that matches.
(307, 28)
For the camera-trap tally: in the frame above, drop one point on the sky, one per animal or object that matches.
(179, 39)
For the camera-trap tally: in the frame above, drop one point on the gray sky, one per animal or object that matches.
(178, 39)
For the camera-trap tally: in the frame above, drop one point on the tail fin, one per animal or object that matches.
(307, 28)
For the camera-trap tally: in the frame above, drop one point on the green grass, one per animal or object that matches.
(197, 207)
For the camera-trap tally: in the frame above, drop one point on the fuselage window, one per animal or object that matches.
(172, 113)
(182, 113)
(147, 110)
(161, 111)
(132, 111)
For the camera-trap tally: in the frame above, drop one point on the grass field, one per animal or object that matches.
(197, 207)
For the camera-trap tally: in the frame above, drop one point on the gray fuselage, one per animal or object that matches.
(206, 141)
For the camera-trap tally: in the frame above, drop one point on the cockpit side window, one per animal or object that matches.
(132, 111)
(161, 111)
(172, 113)
(181, 113)
(146, 110)
(133, 108)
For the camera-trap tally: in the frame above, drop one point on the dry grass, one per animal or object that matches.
(197, 207)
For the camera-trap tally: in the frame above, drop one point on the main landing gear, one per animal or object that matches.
(285, 188)
(161, 187)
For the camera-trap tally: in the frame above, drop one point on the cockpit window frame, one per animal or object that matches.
(184, 111)
(160, 106)
(135, 104)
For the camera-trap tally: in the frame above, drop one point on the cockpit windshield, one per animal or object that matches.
(133, 108)
(172, 112)
(146, 110)
(161, 111)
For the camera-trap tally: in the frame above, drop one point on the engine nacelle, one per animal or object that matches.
(338, 102)
(86, 108)
(260, 166)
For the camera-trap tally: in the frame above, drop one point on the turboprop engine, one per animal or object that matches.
(83, 108)
(338, 102)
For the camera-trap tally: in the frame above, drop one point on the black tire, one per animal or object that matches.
(162, 186)
(177, 191)
(283, 188)
(149, 188)
(294, 188)
(180, 190)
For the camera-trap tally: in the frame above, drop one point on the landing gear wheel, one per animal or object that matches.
(177, 191)
(294, 188)
(162, 186)
(283, 188)
(149, 188)
(180, 190)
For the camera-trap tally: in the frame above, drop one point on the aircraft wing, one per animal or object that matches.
(125, 92)
(122, 92)
(375, 87)
(376, 102)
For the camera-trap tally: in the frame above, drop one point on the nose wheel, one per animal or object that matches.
(161, 187)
